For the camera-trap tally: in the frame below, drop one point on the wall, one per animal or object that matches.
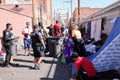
(84, 12)
(109, 16)
(22, 9)
(18, 21)
(27, 9)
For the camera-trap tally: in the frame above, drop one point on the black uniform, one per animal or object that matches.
(7, 42)
(38, 48)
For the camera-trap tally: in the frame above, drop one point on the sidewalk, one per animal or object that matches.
(51, 69)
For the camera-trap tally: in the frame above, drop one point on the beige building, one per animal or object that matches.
(84, 12)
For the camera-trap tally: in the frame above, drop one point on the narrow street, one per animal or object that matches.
(50, 69)
(85, 33)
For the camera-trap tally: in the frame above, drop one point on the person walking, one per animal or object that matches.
(27, 41)
(7, 43)
(38, 46)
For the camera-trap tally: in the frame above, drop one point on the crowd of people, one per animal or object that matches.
(77, 46)
(34, 38)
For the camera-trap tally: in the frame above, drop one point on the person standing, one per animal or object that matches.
(57, 30)
(77, 38)
(27, 41)
(84, 68)
(50, 30)
(38, 46)
(7, 43)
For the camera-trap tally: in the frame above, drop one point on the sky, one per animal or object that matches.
(61, 4)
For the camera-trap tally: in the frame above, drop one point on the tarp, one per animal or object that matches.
(93, 29)
(108, 57)
(96, 29)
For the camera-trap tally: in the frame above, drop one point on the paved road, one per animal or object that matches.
(51, 69)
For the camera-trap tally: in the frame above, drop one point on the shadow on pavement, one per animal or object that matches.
(2, 65)
(23, 66)
(50, 62)
(62, 71)
(16, 65)
(21, 60)
(46, 79)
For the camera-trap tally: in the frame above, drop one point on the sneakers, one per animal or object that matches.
(37, 66)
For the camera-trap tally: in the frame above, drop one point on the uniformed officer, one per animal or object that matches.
(38, 46)
(7, 43)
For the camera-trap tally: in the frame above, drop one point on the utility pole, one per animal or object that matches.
(67, 15)
(59, 17)
(78, 11)
(51, 10)
(40, 12)
(54, 16)
(71, 10)
(34, 10)
(71, 13)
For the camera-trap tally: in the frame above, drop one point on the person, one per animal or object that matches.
(84, 68)
(103, 37)
(27, 42)
(62, 29)
(65, 32)
(43, 30)
(89, 47)
(57, 30)
(7, 43)
(50, 30)
(38, 46)
(68, 49)
(85, 37)
(75, 32)
(77, 38)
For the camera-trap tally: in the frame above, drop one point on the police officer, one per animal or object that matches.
(38, 46)
(7, 43)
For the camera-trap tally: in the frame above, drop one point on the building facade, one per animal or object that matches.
(102, 20)
(84, 12)
(18, 12)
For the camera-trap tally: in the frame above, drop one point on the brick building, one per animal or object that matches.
(18, 12)
(84, 12)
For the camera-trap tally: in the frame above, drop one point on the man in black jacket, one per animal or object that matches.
(7, 43)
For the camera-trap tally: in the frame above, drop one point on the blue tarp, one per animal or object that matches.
(107, 55)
